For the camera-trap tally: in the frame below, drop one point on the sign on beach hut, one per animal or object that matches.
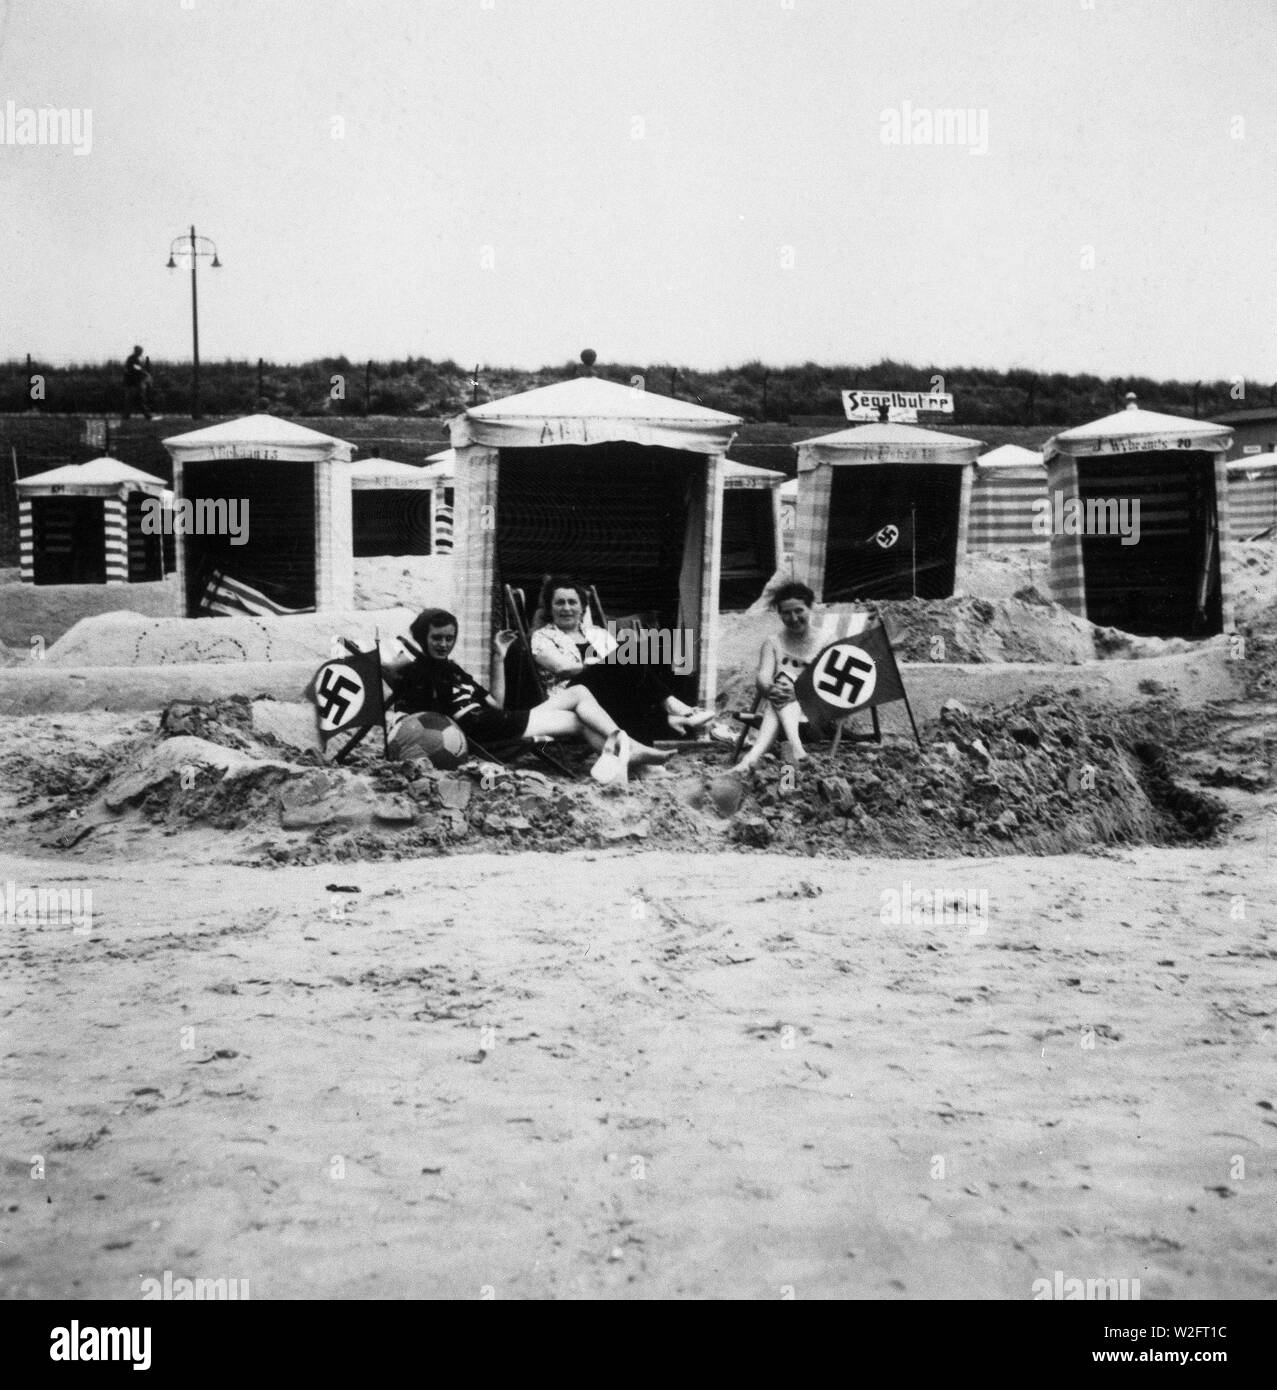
(91, 523)
(620, 487)
(268, 509)
(1137, 511)
(882, 512)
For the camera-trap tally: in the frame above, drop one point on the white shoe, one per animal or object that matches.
(613, 763)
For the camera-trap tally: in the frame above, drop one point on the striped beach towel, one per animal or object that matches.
(228, 598)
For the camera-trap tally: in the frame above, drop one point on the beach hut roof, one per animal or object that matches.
(589, 410)
(264, 437)
(748, 475)
(1010, 456)
(887, 443)
(387, 473)
(1252, 463)
(1133, 430)
(97, 474)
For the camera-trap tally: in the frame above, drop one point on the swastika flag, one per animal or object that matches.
(346, 693)
(850, 674)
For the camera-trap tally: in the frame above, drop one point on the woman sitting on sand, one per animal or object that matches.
(433, 683)
(781, 661)
(570, 651)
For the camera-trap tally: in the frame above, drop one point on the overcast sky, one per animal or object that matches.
(698, 181)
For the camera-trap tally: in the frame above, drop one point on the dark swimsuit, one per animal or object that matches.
(442, 687)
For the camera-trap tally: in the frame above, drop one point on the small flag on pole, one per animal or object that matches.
(347, 694)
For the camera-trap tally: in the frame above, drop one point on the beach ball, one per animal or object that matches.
(443, 742)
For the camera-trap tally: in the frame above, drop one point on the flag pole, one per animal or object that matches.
(385, 737)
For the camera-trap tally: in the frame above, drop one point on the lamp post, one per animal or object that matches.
(194, 247)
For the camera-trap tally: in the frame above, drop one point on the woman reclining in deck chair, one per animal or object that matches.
(571, 651)
(433, 683)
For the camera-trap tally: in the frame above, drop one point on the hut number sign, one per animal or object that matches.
(240, 451)
(902, 406)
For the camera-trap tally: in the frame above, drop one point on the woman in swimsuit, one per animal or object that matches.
(780, 662)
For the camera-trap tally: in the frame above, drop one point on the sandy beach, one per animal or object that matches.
(646, 1075)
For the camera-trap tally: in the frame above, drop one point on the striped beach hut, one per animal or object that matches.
(442, 471)
(788, 515)
(1008, 482)
(391, 508)
(87, 523)
(883, 512)
(1138, 515)
(618, 486)
(286, 487)
(1252, 495)
(751, 545)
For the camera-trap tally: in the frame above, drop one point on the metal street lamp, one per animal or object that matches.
(193, 247)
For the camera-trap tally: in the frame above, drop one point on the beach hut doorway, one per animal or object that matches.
(613, 514)
(918, 506)
(751, 544)
(392, 508)
(1166, 581)
(67, 532)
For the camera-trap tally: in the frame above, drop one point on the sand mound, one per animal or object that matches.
(1024, 627)
(130, 639)
(1042, 775)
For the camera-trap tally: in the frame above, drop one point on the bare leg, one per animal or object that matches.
(583, 708)
(790, 717)
(574, 710)
(768, 728)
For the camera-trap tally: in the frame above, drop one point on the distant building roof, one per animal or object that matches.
(1010, 456)
(1252, 413)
